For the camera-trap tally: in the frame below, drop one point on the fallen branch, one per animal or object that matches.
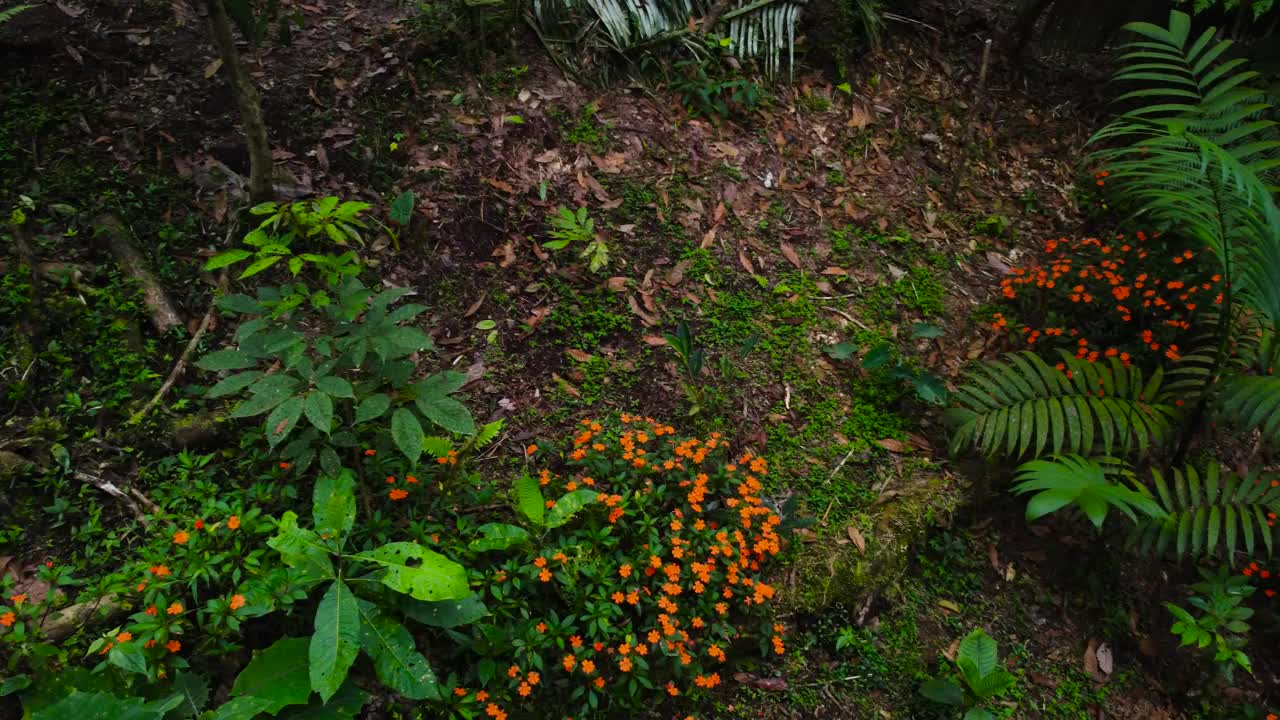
(110, 488)
(163, 316)
(182, 359)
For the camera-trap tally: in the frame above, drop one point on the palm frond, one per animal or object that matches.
(1087, 483)
(11, 13)
(758, 29)
(1208, 514)
(1022, 406)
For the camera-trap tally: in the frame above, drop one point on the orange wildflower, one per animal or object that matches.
(181, 537)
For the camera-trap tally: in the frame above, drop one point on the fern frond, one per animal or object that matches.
(1022, 406)
(1209, 514)
(11, 13)
(1253, 402)
(1086, 483)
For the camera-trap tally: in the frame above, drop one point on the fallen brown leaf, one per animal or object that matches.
(580, 355)
(616, 284)
(212, 68)
(654, 340)
(501, 185)
(789, 253)
(859, 541)
(1091, 658)
(746, 262)
(894, 446)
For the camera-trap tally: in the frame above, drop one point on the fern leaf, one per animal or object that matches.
(1085, 483)
(1021, 406)
(11, 13)
(1205, 518)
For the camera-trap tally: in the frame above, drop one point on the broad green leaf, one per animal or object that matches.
(242, 708)
(402, 208)
(372, 407)
(926, 330)
(319, 410)
(498, 536)
(529, 499)
(193, 689)
(301, 548)
(877, 356)
(334, 505)
(345, 705)
(841, 350)
(336, 641)
(396, 659)
(447, 413)
(444, 613)
(978, 647)
(262, 401)
(330, 464)
(943, 691)
(229, 257)
(105, 706)
(225, 360)
(128, 657)
(929, 388)
(568, 506)
(259, 265)
(233, 384)
(978, 714)
(282, 420)
(441, 383)
(238, 303)
(335, 386)
(416, 571)
(277, 676)
(406, 432)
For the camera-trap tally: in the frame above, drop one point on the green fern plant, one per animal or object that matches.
(1204, 514)
(11, 13)
(1199, 157)
(1022, 406)
(1085, 483)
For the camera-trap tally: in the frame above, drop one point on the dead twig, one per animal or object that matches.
(182, 359)
(110, 488)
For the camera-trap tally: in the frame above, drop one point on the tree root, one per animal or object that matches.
(181, 365)
(163, 316)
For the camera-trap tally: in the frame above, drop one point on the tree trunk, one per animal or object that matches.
(163, 316)
(255, 128)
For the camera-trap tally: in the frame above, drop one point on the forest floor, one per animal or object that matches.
(791, 238)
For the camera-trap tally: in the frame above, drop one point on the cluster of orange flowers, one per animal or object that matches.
(676, 597)
(1260, 573)
(398, 494)
(9, 617)
(1110, 279)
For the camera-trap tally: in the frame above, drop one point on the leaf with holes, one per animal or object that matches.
(568, 506)
(396, 659)
(416, 571)
(498, 536)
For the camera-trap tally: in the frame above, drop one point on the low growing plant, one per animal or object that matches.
(979, 678)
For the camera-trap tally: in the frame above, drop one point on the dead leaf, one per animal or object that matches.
(894, 446)
(1106, 663)
(993, 556)
(212, 68)
(773, 684)
(1043, 680)
(536, 318)
(833, 270)
(859, 117)
(475, 371)
(501, 185)
(746, 262)
(616, 284)
(789, 253)
(952, 650)
(859, 541)
(708, 239)
(473, 307)
(644, 317)
(949, 606)
(580, 355)
(1091, 658)
(654, 340)
(508, 253)
(70, 10)
(566, 385)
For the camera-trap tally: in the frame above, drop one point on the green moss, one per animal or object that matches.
(585, 320)
(919, 291)
(583, 128)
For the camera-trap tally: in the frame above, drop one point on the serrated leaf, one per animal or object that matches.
(335, 386)
(406, 432)
(421, 573)
(943, 691)
(841, 350)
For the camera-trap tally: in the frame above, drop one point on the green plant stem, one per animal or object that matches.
(1226, 325)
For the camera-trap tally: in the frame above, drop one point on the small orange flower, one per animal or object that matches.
(18, 599)
(525, 690)
(124, 637)
(575, 641)
(199, 524)
(460, 692)
(531, 450)
(160, 570)
(181, 537)
(599, 682)
(533, 678)
(481, 696)
(513, 671)
(284, 466)
(237, 602)
(588, 667)
(7, 619)
(174, 609)
(173, 646)
(370, 453)
(542, 627)
(153, 611)
(234, 522)
(398, 494)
